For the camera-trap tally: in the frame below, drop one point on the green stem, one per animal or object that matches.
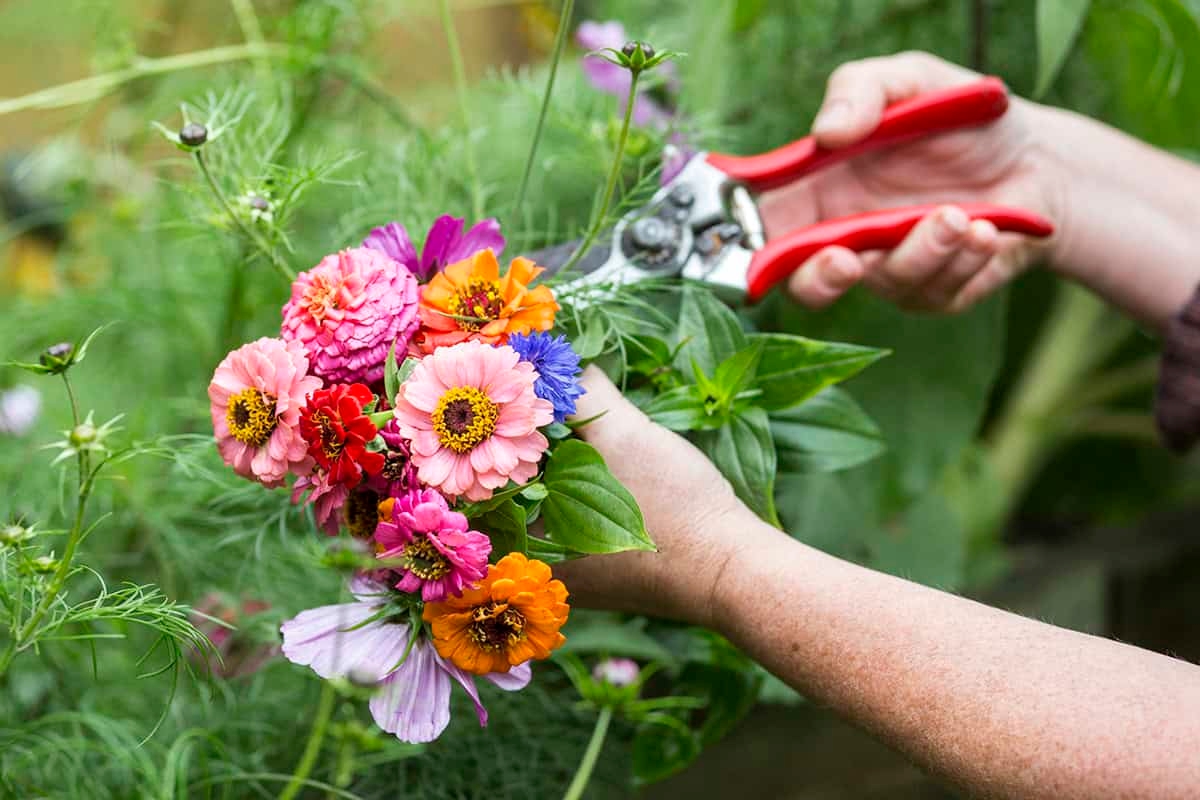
(460, 87)
(584, 774)
(560, 39)
(315, 739)
(97, 86)
(252, 31)
(59, 580)
(254, 236)
(613, 175)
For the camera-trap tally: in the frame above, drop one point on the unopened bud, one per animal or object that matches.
(57, 357)
(619, 672)
(259, 203)
(44, 564)
(193, 134)
(14, 534)
(83, 434)
(629, 49)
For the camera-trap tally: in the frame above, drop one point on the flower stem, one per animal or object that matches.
(97, 86)
(613, 175)
(560, 39)
(59, 580)
(313, 747)
(584, 774)
(460, 87)
(252, 31)
(284, 270)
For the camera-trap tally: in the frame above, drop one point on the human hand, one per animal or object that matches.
(947, 262)
(691, 513)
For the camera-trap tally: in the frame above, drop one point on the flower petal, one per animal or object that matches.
(414, 701)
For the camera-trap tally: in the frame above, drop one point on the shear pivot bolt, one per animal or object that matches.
(650, 233)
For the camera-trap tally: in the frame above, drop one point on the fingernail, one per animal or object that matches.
(952, 224)
(831, 117)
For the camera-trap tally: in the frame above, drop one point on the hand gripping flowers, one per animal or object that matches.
(409, 475)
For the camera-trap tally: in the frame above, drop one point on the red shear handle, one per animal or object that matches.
(876, 230)
(972, 104)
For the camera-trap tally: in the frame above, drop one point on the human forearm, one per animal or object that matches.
(1000, 705)
(1129, 214)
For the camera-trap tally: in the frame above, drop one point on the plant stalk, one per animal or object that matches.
(284, 270)
(584, 774)
(560, 39)
(613, 176)
(313, 747)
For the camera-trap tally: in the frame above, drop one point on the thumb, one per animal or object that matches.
(611, 418)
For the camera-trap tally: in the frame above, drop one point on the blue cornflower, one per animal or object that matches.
(557, 367)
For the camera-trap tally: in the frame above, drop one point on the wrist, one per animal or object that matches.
(753, 550)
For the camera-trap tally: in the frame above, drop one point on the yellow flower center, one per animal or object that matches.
(477, 304)
(422, 559)
(320, 298)
(463, 418)
(496, 626)
(251, 416)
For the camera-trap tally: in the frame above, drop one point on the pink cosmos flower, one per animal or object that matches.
(472, 416)
(257, 394)
(438, 556)
(444, 244)
(348, 311)
(413, 697)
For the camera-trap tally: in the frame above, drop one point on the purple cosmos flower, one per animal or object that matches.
(619, 672)
(412, 701)
(557, 366)
(438, 556)
(19, 409)
(445, 244)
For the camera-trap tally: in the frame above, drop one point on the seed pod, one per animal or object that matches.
(193, 134)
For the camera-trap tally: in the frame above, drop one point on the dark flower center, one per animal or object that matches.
(251, 417)
(495, 626)
(422, 559)
(477, 304)
(362, 513)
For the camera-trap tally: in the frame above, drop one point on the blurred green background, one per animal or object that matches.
(1021, 466)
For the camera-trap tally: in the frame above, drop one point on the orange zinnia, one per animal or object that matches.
(469, 300)
(512, 616)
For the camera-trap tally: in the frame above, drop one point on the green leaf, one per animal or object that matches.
(678, 409)
(744, 452)
(662, 746)
(736, 373)
(608, 634)
(505, 526)
(794, 368)
(927, 544)
(709, 332)
(1058, 24)
(826, 433)
(592, 335)
(391, 377)
(586, 508)
(550, 552)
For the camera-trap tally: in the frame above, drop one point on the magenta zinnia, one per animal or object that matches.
(349, 310)
(430, 546)
(472, 416)
(257, 395)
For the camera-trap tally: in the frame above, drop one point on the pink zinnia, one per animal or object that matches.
(348, 311)
(257, 395)
(472, 416)
(326, 498)
(438, 556)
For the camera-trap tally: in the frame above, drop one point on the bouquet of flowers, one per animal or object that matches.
(418, 404)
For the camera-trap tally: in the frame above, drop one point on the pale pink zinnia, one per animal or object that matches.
(257, 395)
(349, 310)
(431, 546)
(472, 416)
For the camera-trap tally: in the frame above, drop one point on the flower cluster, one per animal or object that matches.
(480, 378)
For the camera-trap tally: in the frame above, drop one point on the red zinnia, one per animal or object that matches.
(337, 433)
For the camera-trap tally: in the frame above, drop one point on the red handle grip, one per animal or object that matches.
(876, 230)
(964, 106)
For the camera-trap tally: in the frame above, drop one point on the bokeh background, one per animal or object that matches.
(1021, 466)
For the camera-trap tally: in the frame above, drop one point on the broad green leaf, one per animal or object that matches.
(586, 508)
(709, 332)
(549, 552)
(1058, 24)
(745, 453)
(794, 368)
(736, 373)
(825, 433)
(505, 526)
(679, 409)
(662, 746)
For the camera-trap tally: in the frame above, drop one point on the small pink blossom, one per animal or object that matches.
(437, 554)
(472, 416)
(257, 394)
(349, 310)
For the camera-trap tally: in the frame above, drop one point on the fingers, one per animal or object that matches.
(825, 277)
(858, 92)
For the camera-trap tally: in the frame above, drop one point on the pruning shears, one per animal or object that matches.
(704, 224)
